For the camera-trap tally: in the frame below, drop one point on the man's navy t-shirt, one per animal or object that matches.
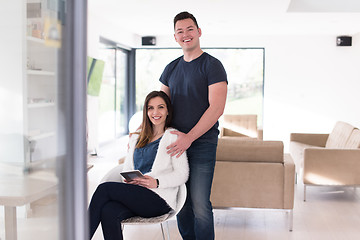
(188, 83)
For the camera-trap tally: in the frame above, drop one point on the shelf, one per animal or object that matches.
(41, 136)
(35, 40)
(40, 105)
(40, 72)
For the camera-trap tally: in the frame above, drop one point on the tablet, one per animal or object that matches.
(130, 175)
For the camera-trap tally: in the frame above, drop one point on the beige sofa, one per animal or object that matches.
(253, 174)
(328, 159)
(240, 126)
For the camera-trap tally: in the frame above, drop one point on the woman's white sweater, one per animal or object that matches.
(170, 171)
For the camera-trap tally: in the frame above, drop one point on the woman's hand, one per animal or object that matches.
(146, 181)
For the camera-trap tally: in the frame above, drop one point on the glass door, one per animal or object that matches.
(111, 113)
(43, 124)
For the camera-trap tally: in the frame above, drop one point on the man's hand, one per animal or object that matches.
(182, 143)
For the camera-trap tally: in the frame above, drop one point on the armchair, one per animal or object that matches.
(328, 159)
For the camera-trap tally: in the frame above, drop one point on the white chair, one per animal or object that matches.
(114, 176)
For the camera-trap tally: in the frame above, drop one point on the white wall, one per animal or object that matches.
(99, 25)
(310, 83)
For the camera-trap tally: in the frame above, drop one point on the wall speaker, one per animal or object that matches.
(343, 41)
(148, 41)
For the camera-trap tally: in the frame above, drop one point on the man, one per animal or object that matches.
(197, 85)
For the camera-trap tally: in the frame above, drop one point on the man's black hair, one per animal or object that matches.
(185, 15)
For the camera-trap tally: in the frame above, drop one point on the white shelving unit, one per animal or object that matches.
(40, 83)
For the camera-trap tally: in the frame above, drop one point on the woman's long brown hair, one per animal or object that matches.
(146, 131)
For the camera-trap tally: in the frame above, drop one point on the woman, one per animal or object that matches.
(155, 193)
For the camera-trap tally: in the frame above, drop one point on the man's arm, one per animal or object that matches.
(217, 99)
(165, 89)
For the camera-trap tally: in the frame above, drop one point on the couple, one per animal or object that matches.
(196, 83)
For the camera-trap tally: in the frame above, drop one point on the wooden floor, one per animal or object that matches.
(328, 214)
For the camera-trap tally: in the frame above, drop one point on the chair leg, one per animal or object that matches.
(167, 230)
(291, 217)
(304, 193)
(162, 231)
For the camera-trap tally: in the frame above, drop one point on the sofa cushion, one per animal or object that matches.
(339, 135)
(354, 140)
(236, 149)
(297, 153)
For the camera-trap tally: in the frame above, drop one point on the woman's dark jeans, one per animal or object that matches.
(113, 202)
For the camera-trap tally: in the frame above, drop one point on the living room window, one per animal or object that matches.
(111, 114)
(244, 68)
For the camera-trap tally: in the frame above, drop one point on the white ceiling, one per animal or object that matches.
(233, 17)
